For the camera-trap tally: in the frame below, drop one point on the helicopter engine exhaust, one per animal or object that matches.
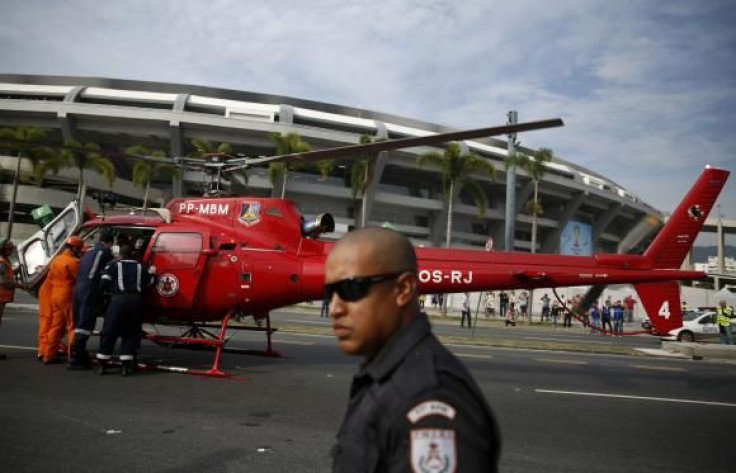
(323, 223)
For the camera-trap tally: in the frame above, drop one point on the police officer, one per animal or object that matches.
(125, 279)
(723, 319)
(88, 299)
(413, 405)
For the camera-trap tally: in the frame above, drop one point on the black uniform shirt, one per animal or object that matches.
(415, 407)
(126, 277)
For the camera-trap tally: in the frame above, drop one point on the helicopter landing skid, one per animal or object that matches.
(198, 337)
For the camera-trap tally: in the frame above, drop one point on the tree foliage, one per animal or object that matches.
(456, 169)
(83, 156)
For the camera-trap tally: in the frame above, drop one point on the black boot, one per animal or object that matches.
(101, 367)
(127, 368)
(78, 357)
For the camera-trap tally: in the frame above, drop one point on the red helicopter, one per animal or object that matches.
(223, 257)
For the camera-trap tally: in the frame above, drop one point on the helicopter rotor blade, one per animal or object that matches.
(378, 146)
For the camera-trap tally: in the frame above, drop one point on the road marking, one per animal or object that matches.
(557, 360)
(574, 340)
(638, 398)
(473, 355)
(15, 347)
(293, 342)
(657, 368)
(305, 321)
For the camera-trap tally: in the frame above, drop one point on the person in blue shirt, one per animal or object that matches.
(595, 319)
(606, 318)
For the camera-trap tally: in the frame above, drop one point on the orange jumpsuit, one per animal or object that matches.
(44, 316)
(6, 278)
(62, 275)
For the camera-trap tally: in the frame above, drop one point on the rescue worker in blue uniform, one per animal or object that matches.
(88, 299)
(125, 279)
(413, 405)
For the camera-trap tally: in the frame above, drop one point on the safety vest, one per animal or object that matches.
(7, 295)
(723, 316)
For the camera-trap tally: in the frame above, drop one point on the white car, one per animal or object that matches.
(696, 326)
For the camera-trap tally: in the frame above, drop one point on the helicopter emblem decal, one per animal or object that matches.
(168, 285)
(250, 213)
(695, 212)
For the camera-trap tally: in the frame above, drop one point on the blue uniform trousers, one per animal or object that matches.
(123, 320)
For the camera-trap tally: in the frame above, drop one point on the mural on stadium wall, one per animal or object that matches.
(576, 239)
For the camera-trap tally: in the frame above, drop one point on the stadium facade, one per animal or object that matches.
(120, 113)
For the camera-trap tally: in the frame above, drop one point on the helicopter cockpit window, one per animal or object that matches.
(181, 250)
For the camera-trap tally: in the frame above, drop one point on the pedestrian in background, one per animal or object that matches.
(555, 311)
(595, 319)
(510, 318)
(503, 301)
(465, 310)
(723, 319)
(490, 304)
(606, 317)
(524, 304)
(545, 308)
(618, 318)
(629, 303)
(413, 405)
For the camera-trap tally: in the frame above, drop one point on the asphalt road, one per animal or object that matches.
(558, 411)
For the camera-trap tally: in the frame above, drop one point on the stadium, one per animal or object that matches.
(117, 114)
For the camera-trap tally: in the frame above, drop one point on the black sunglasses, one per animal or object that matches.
(354, 289)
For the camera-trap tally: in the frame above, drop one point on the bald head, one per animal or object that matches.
(371, 281)
(381, 249)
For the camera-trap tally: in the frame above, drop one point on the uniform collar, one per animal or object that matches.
(397, 347)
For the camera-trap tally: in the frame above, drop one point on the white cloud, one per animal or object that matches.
(646, 88)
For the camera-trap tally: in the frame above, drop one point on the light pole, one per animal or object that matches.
(11, 211)
(511, 186)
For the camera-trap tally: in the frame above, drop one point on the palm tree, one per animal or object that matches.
(536, 169)
(456, 169)
(20, 141)
(144, 171)
(203, 148)
(288, 144)
(87, 156)
(361, 175)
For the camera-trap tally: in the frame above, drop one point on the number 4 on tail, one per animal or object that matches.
(664, 310)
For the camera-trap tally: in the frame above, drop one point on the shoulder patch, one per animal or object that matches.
(433, 450)
(430, 408)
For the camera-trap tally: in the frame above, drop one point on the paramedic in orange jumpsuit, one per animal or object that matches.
(62, 275)
(44, 316)
(7, 277)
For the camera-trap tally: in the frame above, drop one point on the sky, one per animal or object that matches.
(647, 88)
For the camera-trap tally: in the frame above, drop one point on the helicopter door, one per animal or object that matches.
(36, 252)
(179, 258)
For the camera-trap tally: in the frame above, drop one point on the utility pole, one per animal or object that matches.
(11, 211)
(511, 186)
